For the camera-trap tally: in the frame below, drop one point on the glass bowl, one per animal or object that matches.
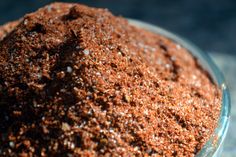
(214, 145)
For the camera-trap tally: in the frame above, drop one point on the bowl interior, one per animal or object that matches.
(214, 144)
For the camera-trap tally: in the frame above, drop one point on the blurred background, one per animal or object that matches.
(210, 24)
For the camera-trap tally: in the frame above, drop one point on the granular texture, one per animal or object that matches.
(78, 81)
(8, 27)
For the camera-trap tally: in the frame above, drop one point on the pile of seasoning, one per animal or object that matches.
(78, 81)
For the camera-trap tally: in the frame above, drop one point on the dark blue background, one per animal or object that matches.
(210, 24)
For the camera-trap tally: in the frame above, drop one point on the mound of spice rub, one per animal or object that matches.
(8, 27)
(78, 81)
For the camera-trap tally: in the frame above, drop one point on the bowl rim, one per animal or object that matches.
(214, 145)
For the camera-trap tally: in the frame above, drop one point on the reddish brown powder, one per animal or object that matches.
(77, 81)
(8, 27)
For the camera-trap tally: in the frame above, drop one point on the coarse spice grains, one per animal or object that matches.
(78, 81)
